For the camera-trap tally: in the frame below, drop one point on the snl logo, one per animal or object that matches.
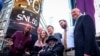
(21, 17)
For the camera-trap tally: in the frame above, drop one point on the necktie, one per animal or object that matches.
(65, 39)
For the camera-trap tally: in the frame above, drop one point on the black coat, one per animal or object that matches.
(84, 37)
(57, 50)
(34, 39)
(58, 36)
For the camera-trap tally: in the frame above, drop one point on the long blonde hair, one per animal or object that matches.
(40, 37)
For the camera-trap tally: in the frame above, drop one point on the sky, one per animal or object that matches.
(54, 10)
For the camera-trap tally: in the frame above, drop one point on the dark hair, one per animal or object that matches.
(62, 20)
(50, 26)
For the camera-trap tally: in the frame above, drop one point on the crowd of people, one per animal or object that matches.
(78, 40)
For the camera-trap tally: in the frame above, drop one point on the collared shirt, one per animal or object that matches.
(20, 42)
(77, 19)
(70, 37)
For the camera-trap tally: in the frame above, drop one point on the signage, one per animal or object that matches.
(23, 14)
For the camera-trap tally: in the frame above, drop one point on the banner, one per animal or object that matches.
(24, 14)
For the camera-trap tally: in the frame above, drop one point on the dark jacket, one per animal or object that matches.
(34, 39)
(58, 36)
(84, 37)
(56, 50)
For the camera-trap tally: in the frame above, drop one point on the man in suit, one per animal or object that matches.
(84, 35)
